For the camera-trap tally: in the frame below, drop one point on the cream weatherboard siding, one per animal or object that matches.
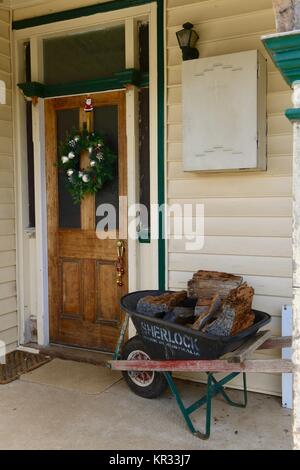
(248, 222)
(8, 304)
(29, 8)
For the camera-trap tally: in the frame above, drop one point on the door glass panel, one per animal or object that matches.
(85, 56)
(69, 213)
(144, 47)
(106, 124)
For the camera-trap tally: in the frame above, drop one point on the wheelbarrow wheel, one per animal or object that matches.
(146, 384)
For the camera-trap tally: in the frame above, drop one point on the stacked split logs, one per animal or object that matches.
(229, 309)
(222, 304)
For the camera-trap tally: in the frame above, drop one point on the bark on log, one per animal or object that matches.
(160, 303)
(236, 314)
(201, 321)
(208, 283)
(240, 301)
(202, 306)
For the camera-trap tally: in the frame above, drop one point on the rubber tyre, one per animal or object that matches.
(159, 383)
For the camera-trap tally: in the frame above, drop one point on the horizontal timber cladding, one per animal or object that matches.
(248, 216)
(41, 8)
(69, 11)
(8, 301)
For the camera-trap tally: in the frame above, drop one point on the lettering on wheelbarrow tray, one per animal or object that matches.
(171, 339)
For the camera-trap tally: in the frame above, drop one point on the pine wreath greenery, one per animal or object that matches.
(102, 163)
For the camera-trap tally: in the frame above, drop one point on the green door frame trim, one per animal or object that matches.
(120, 5)
(116, 82)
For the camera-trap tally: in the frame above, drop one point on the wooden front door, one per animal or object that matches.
(83, 292)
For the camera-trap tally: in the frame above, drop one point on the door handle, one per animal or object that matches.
(120, 248)
(120, 262)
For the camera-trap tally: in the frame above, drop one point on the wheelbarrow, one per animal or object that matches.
(148, 359)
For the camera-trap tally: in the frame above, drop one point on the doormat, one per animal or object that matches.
(18, 363)
(74, 376)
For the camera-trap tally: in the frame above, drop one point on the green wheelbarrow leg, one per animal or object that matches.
(213, 388)
(187, 411)
(116, 355)
(245, 390)
(220, 388)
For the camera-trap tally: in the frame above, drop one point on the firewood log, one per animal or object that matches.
(236, 314)
(202, 305)
(209, 283)
(215, 305)
(240, 301)
(154, 304)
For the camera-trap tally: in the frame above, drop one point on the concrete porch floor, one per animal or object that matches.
(35, 416)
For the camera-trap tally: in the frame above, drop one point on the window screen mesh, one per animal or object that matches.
(86, 56)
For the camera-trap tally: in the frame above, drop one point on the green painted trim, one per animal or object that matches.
(293, 114)
(144, 80)
(145, 236)
(285, 53)
(77, 13)
(129, 77)
(85, 86)
(118, 5)
(161, 142)
(31, 89)
(119, 80)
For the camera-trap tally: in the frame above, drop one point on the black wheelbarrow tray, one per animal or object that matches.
(160, 348)
(172, 341)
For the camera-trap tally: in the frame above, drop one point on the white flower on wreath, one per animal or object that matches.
(71, 155)
(70, 172)
(80, 174)
(85, 178)
(64, 159)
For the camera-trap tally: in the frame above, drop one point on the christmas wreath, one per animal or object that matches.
(102, 163)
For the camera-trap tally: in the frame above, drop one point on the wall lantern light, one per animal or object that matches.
(187, 39)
